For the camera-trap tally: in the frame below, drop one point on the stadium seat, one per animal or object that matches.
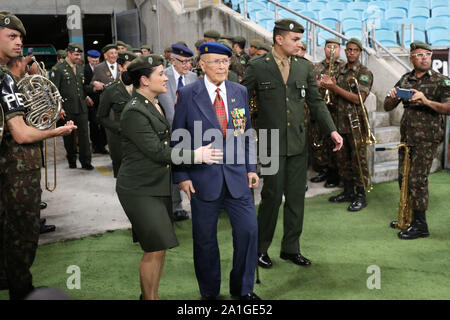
(439, 37)
(322, 36)
(437, 23)
(348, 25)
(419, 4)
(398, 4)
(419, 12)
(297, 6)
(373, 15)
(350, 15)
(329, 23)
(438, 3)
(353, 34)
(395, 14)
(419, 24)
(382, 5)
(310, 14)
(336, 6)
(418, 36)
(316, 6)
(440, 12)
(386, 38)
(357, 6)
(329, 15)
(264, 15)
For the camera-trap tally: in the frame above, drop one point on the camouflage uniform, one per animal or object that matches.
(347, 163)
(239, 63)
(422, 129)
(19, 199)
(322, 153)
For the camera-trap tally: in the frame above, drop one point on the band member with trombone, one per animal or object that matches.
(351, 87)
(20, 163)
(421, 129)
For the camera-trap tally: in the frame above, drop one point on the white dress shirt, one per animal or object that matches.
(211, 88)
(177, 76)
(113, 69)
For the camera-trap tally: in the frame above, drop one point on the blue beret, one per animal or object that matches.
(93, 53)
(181, 50)
(214, 47)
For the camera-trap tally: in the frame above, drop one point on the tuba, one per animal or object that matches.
(43, 104)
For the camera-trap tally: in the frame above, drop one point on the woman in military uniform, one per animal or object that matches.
(115, 97)
(144, 178)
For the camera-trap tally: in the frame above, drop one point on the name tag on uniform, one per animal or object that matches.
(267, 83)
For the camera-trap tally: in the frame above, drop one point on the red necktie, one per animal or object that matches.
(219, 106)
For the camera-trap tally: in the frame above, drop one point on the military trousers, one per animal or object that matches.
(115, 150)
(19, 228)
(421, 159)
(290, 181)
(84, 147)
(96, 131)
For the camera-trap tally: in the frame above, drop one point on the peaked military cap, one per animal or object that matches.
(215, 47)
(93, 53)
(332, 40)
(240, 40)
(61, 53)
(289, 25)
(127, 56)
(420, 45)
(212, 34)
(199, 42)
(74, 47)
(109, 47)
(181, 50)
(135, 50)
(10, 21)
(146, 61)
(355, 41)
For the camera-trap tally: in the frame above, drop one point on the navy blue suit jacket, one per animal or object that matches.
(194, 105)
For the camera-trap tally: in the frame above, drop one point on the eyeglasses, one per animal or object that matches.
(422, 54)
(218, 62)
(184, 62)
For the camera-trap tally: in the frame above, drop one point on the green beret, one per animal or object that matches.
(227, 36)
(146, 61)
(419, 45)
(305, 46)
(61, 53)
(332, 40)
(129, 48)
(74, 47)
(135, 50)
(146, 46)
(355, 41)
(199, 42)
(225, 43)
(109, 47)
(168, 49)
(255, 43)
(212, 34)
(127, 56)
(264, 46)
(240, 40)
(10, 21)
(120, 43)
(289, 25)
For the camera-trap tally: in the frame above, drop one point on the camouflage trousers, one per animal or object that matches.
(347, 161)
(321, 148)
(19, 228)
(421, 159)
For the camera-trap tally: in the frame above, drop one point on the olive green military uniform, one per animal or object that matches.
(114, 97)
(74, 90)
(144, 179)
(347, 160)
(281, 107)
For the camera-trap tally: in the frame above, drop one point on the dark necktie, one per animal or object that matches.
(112, 67)
(180, 82)
(219, 106)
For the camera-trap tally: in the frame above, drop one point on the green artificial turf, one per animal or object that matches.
(341, 245)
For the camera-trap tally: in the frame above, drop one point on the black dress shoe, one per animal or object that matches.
(47, 228)
(358, 204)
(264, 260)
(296, 258)
(180, 215)
(42, 221)
(321, 176)
(416, 230)
(331, 184)
(72, 165)
(342, 197)
(249, 296)
(43, 205)
(87, 167)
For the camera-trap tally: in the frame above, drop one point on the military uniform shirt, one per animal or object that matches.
(322, 67)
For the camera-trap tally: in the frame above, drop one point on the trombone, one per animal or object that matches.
(366, 138)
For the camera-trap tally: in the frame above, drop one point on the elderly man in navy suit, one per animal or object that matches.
(179, 75)
(214, 110)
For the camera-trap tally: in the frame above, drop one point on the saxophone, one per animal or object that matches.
(327, 96)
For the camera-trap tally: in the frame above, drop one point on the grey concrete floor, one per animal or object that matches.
(85, 202)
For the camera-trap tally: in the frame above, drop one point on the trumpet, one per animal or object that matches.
(365, 138)
(327, 96)
(43, 104)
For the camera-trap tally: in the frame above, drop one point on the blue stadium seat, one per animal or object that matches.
(386, 38)
(336, 6)
(399, 4)
(348, 25)
(389, 25)
(373, 15)
(419, 4)
(329, 23)
(395, 14)
(377, 5)
(419, 24)
(316, 6)
(440, 12)
(350, 15)
(345, 1)
(297, 6)
(437, 23)
(310, 14)
(269, 24)
(439, 37)
(419, 12)
(264, 15)
(322, 36)
(418, 36)
(353, 34)
(328, 14)
(358, 6)
(438, 3)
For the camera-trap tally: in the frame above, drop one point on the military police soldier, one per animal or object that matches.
(254, 47)
(211, 36)
(20, 163)
(352, 171)
(121, 46)
(324, 161)
(263, 48)
(421, 128)
(146, 49)
(283, 83)
(240, 58)
(68, 77)
(114, 98)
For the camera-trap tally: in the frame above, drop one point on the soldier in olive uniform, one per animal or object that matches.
(353, 171)
(263, 48)
(241, 57)
(145, 49)
(283, 83)
(211, 36)
(196, 61)
(324, 161)
(115, 97)
(61, 55)
(167, 52)
(68, 77)
(421, 128)
(254, 47)
(20, 163)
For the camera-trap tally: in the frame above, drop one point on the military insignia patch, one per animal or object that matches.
(206, 49)
(7, 20)
(303, 93)
(364, 78)
(150, 60)
(447, 83)
(291, 26)
(108, 73)
(54, 68)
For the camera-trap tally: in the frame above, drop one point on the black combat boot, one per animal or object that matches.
(346, 195)
(332, 179)
(359, 201)
(418, 228)
(321, 176)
